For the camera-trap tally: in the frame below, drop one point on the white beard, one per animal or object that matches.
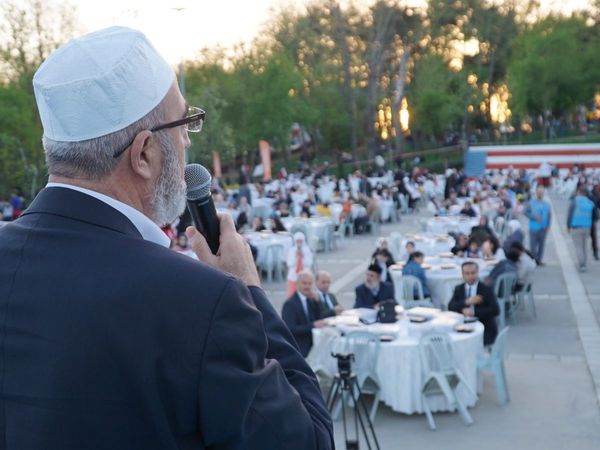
(169, 196)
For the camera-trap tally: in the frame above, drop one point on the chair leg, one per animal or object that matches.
(531, 304)
(501, 316)
(462, 410)
(504, 379)
(428, 414)
(374, 406)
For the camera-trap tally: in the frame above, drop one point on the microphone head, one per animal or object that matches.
(198, 181)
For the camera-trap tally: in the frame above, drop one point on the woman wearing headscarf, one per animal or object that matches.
(299, 257)
(515, 234)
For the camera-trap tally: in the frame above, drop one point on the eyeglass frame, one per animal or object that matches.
(176, 123)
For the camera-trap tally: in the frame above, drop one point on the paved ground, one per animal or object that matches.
(554, 403)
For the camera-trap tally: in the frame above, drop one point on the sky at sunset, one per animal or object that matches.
(202, 23)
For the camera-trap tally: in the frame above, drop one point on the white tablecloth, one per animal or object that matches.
(428, 244)
(441, 282)
(399, 365)
(387, 209)
(446, 224)
(265, 238)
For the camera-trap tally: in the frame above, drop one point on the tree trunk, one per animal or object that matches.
(400, 87)
(348, 90)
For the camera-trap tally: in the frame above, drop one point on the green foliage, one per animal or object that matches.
(554, 66)
(435, 96)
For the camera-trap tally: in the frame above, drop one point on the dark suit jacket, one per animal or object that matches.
(324, 309)
(113, 342)
(366, 299)
(486, 312)
(295, 318)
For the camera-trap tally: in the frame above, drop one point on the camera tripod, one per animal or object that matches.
(345, 384)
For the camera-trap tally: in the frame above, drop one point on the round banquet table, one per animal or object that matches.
(441, 281)
(261, 240)
(428, 244)
(399, 364)
(447, 224)
(322, 227)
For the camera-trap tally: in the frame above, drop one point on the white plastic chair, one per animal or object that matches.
(408, 304)
(504, 288)
(273, 262)
(365, 347)
(493, 363)
(440, 375)
(525, 298)
(409, 284)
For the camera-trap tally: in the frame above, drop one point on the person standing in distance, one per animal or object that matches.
(538, 213)
(109, 339)
(582, 213)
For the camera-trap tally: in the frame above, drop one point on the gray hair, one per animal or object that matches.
(305, 273)
(93, 159)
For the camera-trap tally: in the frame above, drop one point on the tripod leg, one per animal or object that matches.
(365, 411)
(332, 394)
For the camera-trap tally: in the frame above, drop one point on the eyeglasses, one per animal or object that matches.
(193, 121)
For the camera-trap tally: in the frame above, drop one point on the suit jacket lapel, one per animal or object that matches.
(78, 206)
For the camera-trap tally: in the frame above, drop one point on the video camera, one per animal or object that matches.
(344, 361)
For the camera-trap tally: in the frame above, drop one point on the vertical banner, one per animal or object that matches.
(265, 156)
(216, 165)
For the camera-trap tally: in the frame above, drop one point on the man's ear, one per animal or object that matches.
(143, 155)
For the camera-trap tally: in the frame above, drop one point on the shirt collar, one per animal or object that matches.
(472, 286)
(148, 229)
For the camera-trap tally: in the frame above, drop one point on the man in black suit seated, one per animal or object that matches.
(373, 290)
(301, 312)
(328, 304)
(475, 299)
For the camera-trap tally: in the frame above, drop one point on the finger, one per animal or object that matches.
(199, 245)
(227, 227)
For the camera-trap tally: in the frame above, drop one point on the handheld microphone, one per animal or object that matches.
(200, 204)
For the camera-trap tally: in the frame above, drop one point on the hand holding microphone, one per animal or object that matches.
(216, 241)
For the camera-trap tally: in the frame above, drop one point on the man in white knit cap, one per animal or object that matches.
(109, 340)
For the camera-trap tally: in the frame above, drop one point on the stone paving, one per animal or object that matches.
(554, 403)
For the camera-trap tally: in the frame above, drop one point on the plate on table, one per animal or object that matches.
(418, 319)
(448, 266)
(419, 238)
(464, 328)
(387, 337)
(283, 233)
(426, 266)
(441, 237)
(446, 255)
(491, 262)
(397, 266)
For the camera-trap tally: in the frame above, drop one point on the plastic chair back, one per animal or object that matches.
(505, 286)
(499, 346)
(436, 353)
(365, 346)
(409, 286)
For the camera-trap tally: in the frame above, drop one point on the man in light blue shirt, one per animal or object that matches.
(582, 212)
(538, 213)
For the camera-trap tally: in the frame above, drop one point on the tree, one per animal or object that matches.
(554, 66)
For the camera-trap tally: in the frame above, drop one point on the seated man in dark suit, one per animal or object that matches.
(373, 290)
(473, 298)
(301, 312)
(328, 304)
